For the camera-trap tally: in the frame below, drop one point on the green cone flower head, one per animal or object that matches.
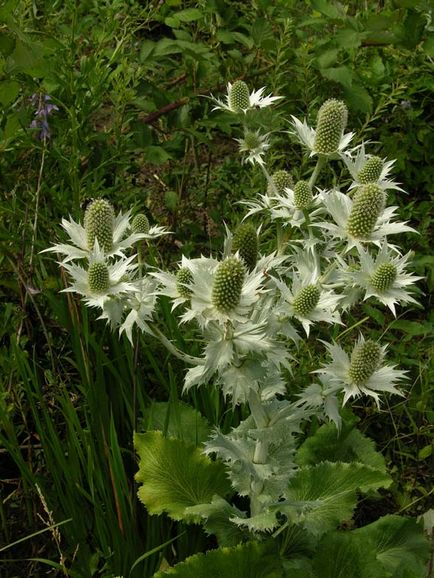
(367, 206)
(371, 170)
(183, 278)
(365, 359)
(331, 123)
(239, 97)
(302, 195)
(281, 180)
(99, 224)
(245, 241)
(228, 283)
(140, 224)
(251, 141)
(306, 300)
(383, 277)
(98, 277)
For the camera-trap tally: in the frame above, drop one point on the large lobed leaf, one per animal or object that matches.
(250, 560)
(320, 497)
(175, 475)
(178, 420)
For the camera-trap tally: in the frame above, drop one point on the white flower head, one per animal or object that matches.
(383, 277)
(141, 303)
(239, 99)
(102, 280)
(362, 373)
(80, 248)
(286, 208)
(328, 139)
(340, 208)
(366, 168)
(176, 286)
(307, 300)
(255, 145)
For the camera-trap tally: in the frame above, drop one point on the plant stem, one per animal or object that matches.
(261, 449)
(319, 165)
(174, 350)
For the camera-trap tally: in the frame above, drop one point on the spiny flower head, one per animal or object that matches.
(384, 276)
(331, 123)
(228, 283)
(368, 204)
(140, 224)
(239, 96)
(183, 278)
(98, 277)
(281, 180)
(306, 300)
(255, 144)
(302, 195)
(99, 224)
(365, 360)
(371, 170)
(245, 241)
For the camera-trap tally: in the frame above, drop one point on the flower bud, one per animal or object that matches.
(306, 300)
(183, 278)
(239, 98)
(140, 224)
(331, 123)
(245, 241)
(99, 224)
(383, 277)
(228, 283)
(365, 359)
(98, 277)
(302, 195)
(281, 180)
(368, 204)
(371, 170)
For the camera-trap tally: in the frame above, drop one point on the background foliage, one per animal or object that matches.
(130, 80)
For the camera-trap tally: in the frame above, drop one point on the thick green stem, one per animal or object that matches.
(319, 165)
(261, 450)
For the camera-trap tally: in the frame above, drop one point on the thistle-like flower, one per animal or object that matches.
(367, 169)
(102, 280)
(141, 303)
(98, 225)
(280, 180)
(357, 222)
(240, 100)
(177, 285)
(362, 373)
(245, 241)
(255, 145)
(384, 277)
(290, 206)
(228, 282)
(328, 139)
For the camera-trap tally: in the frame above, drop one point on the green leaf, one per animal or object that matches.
(178, 420)
(400, 544)
(348, 38)
(327, 8)
(340, 74)
(146, 51)
(189, 15)
(342, 555)
(320, 497)
(250, 560)
(358, 99)
(348, 445)
(425, 452)
(156, 155)
(327, 57)
(175, 475)
(171, 200)
(9, 90)
(217, 520)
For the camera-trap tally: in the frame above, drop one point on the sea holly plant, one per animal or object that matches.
(276, 499)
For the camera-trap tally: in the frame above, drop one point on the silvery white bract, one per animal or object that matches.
(335, 374)
(255, 99)
(117, 272)
(254, 145)
(306, 136)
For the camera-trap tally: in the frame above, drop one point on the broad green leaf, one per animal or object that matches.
(342, 555)
(327, 57)
(146, 51)
(156, 155)
(217, 520)
(189, 15)
(327, 8)
(177, 420)
(340, 74)
(348, 38)
(175, 475)
(399, 543)
(9, 90)
(250, 560)
(348, 445)
(358, 99)
(320, 497)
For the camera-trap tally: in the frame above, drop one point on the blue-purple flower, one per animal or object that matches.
(44, 108)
